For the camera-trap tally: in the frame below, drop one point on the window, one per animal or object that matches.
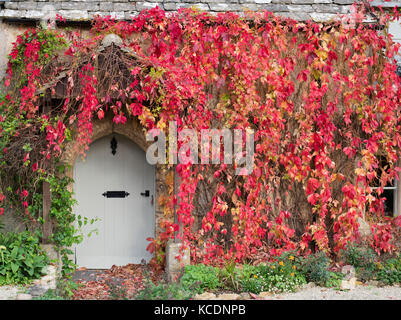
(389, 192)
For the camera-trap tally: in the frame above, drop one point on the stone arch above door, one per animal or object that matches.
(132, 129)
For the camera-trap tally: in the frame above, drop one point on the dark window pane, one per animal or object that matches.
(389, 202)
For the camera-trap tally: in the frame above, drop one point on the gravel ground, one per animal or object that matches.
(309, 292)
(361, 292)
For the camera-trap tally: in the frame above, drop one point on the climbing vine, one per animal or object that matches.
(322, 99)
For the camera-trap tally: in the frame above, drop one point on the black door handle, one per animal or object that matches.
(115, 194)
(146, 193)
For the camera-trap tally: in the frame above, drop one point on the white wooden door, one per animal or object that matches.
(123, 223)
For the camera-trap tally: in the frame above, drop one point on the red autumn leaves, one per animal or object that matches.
(308, 90)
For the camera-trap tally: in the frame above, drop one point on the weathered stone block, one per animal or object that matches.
(190, 1)
(147, 5)
(348, 284)
(205, 296)
(322, 1)
(299, 16)
(173, 266)
(302, 1)
(175, 6)
(220, 7)
(112, 39)
(74, 15)
(255, 1)
(51, 251)
(321, 17)
(348, 271)
(27, 5)
(123, 6)
(8, 13)
(229, 296)
(11, 5)
(37, 291)
(300, 8)
(345, 9)
(327, 8)
(55, 257)
(106, 6)
(24, 296)
(343, 1)
(364, 229)
(118, 15)
(276, 7)
(35, 14)
(93, 14)
(72, 5)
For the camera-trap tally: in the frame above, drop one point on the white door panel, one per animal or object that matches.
(125, 223)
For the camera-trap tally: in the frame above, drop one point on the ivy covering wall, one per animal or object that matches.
(322, 99)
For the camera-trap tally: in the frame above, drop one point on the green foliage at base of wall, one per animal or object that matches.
(390, 272)
(21, 258)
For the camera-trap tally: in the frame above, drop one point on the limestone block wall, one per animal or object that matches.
(16, 14)
(319, 10)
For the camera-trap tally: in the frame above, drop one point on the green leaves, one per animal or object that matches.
(27, 147)
(22, 258)
(282, 275)
(201, 277)
(390, 271)
(14, 253)
(14, 267)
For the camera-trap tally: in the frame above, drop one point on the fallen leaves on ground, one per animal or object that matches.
(116, 283)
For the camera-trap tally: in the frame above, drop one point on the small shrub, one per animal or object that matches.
(49, 295)
(66, 287)
(117, 292)
(229, 276)
(249, 279)
(315, 268)
(201, 277)
(280, 276)
(164, 291)
(21, 258)
(363, 259)
(334, 280)
(359, 257)
(390, 272)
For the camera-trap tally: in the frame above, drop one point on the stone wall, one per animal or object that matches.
(319, 10)
(15, 14)
(8, 35)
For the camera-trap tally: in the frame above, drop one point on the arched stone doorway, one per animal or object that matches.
(114, 187)
(132, 136)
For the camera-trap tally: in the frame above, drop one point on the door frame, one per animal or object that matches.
(135, 132)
